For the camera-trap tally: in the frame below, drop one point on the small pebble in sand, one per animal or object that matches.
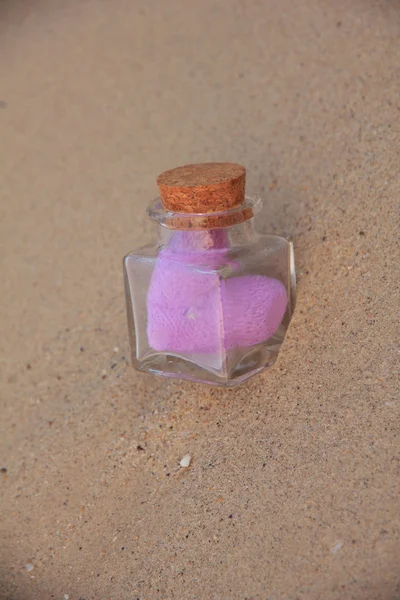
(66, 597)
(116, 349)
(337, 547)
(185, 462)
(29, 567)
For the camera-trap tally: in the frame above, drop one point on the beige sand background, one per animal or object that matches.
(293, 490)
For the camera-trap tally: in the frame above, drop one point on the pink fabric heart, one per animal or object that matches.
(191, 309)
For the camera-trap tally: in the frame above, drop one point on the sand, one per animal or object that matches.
(293, 487)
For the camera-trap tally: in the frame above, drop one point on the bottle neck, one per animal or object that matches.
(203, 240)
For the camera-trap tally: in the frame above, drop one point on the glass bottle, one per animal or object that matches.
(210, 301)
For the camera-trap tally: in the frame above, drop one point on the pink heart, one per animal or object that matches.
(193, 310)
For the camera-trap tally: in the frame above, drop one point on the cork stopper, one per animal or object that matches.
(204, 188)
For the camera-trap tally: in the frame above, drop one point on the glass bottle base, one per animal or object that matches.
(254, 360)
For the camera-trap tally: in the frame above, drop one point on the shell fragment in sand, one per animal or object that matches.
(185, 462)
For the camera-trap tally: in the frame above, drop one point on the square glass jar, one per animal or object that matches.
(212, 299)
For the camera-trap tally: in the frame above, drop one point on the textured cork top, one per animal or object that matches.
(202, 188)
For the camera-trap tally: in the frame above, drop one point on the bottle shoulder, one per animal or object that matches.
(149, 251)
(263, 254)
(260, 242)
